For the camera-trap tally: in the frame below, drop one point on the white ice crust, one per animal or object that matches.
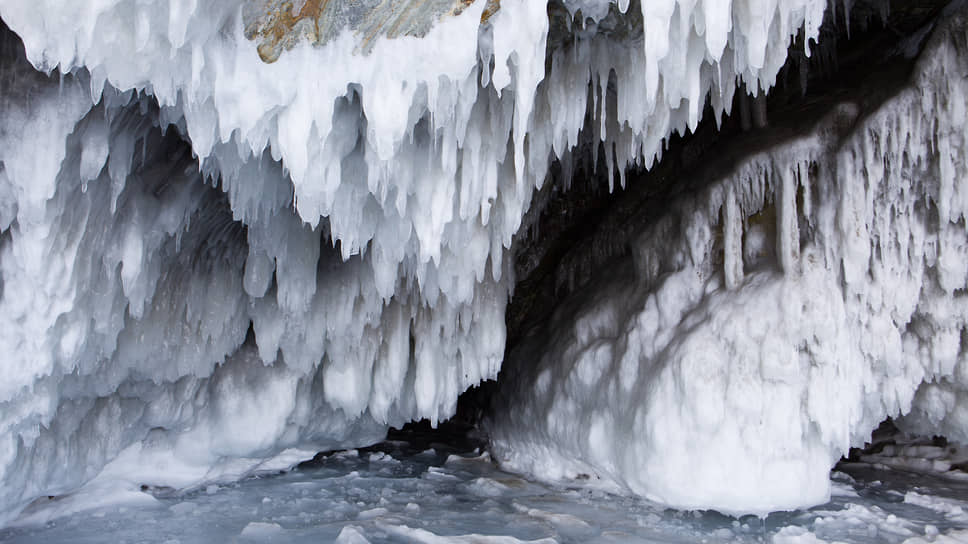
(769, 321)
(359, 212)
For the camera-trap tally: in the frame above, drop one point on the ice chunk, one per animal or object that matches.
(261, 531)
(351, 535)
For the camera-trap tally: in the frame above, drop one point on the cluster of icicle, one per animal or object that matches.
(768, 322)
(328, 253)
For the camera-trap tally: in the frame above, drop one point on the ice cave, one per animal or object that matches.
(484, 271)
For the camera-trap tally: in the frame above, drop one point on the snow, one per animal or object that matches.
(769, 321)
(353, 206)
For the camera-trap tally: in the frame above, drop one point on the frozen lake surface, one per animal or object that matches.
(429, 492)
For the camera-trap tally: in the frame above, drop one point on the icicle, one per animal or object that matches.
(732, 241)
(787, 228)
(803, 177)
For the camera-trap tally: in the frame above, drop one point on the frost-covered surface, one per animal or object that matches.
(779, 313)
(358, 213)
(395, 494)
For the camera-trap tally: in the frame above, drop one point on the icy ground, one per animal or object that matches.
(394, 492)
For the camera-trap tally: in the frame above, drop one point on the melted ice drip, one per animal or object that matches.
(358, 216)
(779, 315)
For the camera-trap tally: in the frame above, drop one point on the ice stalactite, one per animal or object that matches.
(770, 320)
(166, 191)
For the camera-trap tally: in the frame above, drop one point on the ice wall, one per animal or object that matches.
(165, 192)
(769, 321)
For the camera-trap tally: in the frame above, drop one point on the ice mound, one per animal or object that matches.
(207, 259)
(770, 321)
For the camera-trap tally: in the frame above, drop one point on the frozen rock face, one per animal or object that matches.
(208, 259)
(279, 25)
(769, 320)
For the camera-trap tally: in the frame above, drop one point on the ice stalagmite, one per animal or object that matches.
(769, 321)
